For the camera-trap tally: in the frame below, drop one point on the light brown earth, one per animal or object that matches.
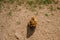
(14, 27)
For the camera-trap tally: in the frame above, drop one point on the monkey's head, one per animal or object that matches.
(33, 18)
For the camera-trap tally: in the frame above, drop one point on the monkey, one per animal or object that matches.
(33, 22)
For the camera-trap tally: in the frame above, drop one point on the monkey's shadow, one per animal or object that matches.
(30, 30)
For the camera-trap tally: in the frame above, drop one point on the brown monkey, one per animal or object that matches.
(33, 22)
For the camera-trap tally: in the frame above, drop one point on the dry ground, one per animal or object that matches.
(14, 20)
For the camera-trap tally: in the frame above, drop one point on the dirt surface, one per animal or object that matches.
(14, 20)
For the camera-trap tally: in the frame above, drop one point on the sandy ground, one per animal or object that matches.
(14, 27)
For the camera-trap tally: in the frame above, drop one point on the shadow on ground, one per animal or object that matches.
(30, 30)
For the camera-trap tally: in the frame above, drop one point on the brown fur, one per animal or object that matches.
(33, 22)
